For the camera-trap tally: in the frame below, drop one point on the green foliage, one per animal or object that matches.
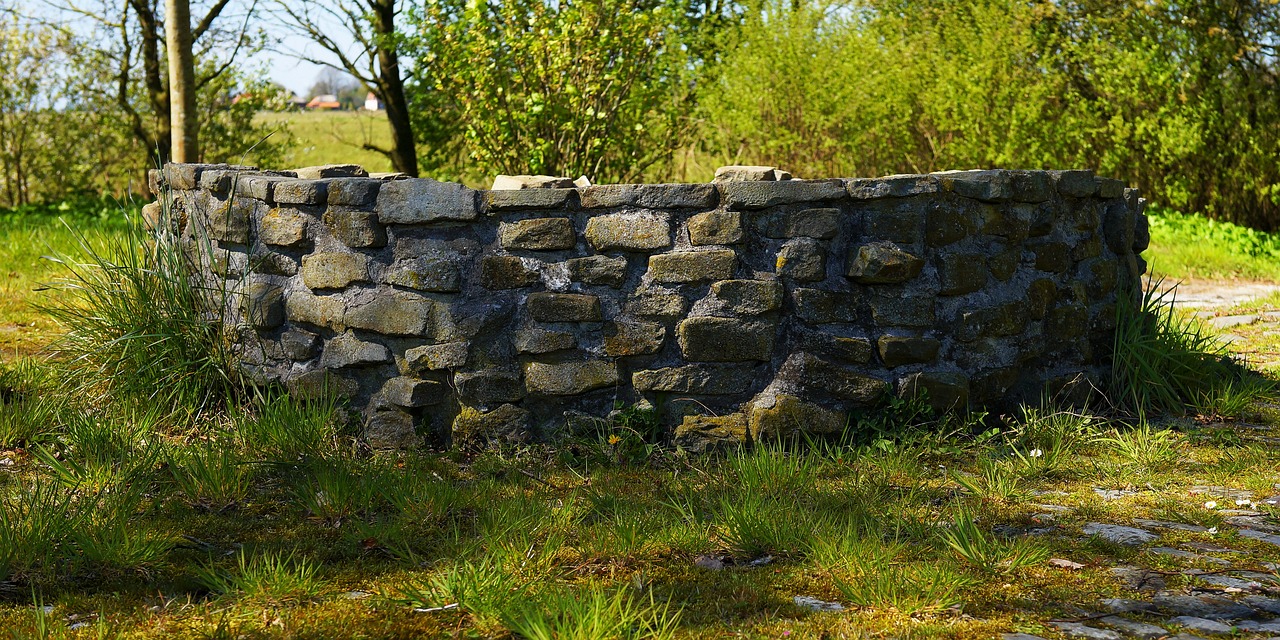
(277, 427)
(212, 475)
(36, 522)
(1193, 246)
(987, 552)
(592, 614)
(110, 535)
(1144, 445)
(267, 576)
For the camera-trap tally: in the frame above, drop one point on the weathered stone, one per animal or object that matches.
(489, 386)
(346, 350)
(946, 225)
(354, 192)
(650, 196)
(1041, 295)
(802, 260)
(264, 304)
(822, 224)
(849, 349)
(988, 186)
(516, 182)
(152, 213)
(901, 222)
(1054, 257)
(745, 173)
(892, 311)
(1011, 222)
(507, 272)
(1202, 606)
(896, 186)
(633, 338)
(700, 434)
(817, 306)
(961, 273)
(538, 341)
(1109, 187)
(813, 374)
(422, 200)
(538, 234)
(696, 379)
(324, 311)
(1118, 227)
(1004, 264)
(657, 304)
(257, 187)
(629, 231)
(396, 313)
(355, 228)
(896, 351)
(506, 423)
(1006, 319)
(299, 192)
(436, 357)
(944, 391)
(334, 270)
(725, 340)
(229, 221)
(228, 263)
(216, 181)
(523, 199)
(320, 383)
(781, 415)
(180, 176)
(882, 262)
(715, 227)
(412, 392)
(692, 266)
(1077, 184)
(758, 195)
(1031, 186)
(299, 345)
(332, 171)
(428, 273)
(569, 378)
(742, 297)
(1141, 233)
(390, 429)
(1080, 630)
(1066, 321)
(284, 227)
(1101, 278)
(564, 307)
(1119, 534)
(602, 270)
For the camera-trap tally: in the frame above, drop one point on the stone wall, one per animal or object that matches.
(736, 308)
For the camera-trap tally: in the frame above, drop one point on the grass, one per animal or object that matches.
(1192, 247)
(333, 137)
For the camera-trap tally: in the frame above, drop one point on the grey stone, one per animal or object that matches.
(1270, 538)
(422, 200)
(439, 273)
(564, 307)
(901, 222)
(412, 392)
(229, 221)
(1263, 603)
(298, 344)
(507, 272)
(324, 311)
(211, 180)
(856, 350)
(896, 351)
(911, 312)
(436, 357)
(508, 183)
(1077, 184)
(334, 270)
(629, 231)
(1202, 606)
(817, 306)
(397, 313)
(1254, 626)
(257, 187)
(355, 228)
(779, 415)
(1032, 186)
(1125, 605)
(700, 434)
(299, 192)
(1079, 630)
(725, 340)
(353, 192)
(692, 266)
(489, 386)
(758, 195)
(1134, 628)
(332, 171)
(602, 270)
(1141, 233)
(180, 176)
(811, 373)
(1119, 534)
(1109, 187)
(1187, 555)
(283, 226)
(1139, 579)
(802, 260)
(272, 263)
(896, 186)
(656, 304)
(633, 338)
(264, 304)
(822, 224)
(521, 199)
(1054, 257)
(961, 273)
(569, 378)
(945, 226)
(697, 379)
(988, 186)
(1007, 319)
(715, 227)
(650, 196)
(745, 173)
(881, 263)
(946, 391)
(1004, 264)
(743, 297)
(506, 423)
(536, 341)
(1118, 228)
(320, 383)
(1201, 625)
(346, 350)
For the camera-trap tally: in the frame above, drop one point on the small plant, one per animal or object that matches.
(484, 589)
(268, 576)
(996, 480)
(1145, 446)
(212, 476)
(28, 412)
(35, 525)
(591, 614)
(332, 489)
(281, 428)
(755, 524)
(110, 534)
(770, 469)
(986, 552)
(911, 589)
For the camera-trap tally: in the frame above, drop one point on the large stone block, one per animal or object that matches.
(489, 386)
(780, 415)
(1077, 184)
(324, 311)
(1118, 227)
(961, 273)
(882, 263)
(715, 227)
(896, 221)
(564, 307)
(742, 297)
(437, 357)
(264, 304)
(896, 351)
(657, 304)
(346, 350)
(988, 186)
(396, 313)
(746, 173)
(284, 227)
(725, 340)
(650, 196)
(633, 338)
(604, 270)
(802, 260)
(850, 349)
(817, 306)
(822, 224)
(355, 228)
(411, 392)
(696, 379)
(1006, 319)
(523, 199)
(422, 200)
(945, 391)
(692, 266)
(538, 234)
(896, 186)
(815, 375)
(299, 191)
(629, 231)
(946, 225)
(439, 273)
(507, 272)
(507, 423)
(319, 172)
(390, 429)
(353, 192)
(701, 434)
(758, 195)
(537, 341)
(902, 311)
(569, 378)
(334, 270)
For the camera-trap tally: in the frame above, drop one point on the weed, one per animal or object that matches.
(212, 476)
(268, 576)
(591, 614)
(986, 552)
(1144, 446)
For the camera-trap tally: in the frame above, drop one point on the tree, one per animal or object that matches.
(376, 63)
(182, 82)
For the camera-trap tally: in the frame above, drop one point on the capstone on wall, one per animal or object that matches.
(741, 309)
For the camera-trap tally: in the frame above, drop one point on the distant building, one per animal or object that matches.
(326, 102)
(372, 103)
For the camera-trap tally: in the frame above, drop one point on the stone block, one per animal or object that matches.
(1118, 227)
(896, 186)
(438, 273)
(524, 199)
(822, 224)
(1031, 186)
(946, 225)
(353, 192)
(489, 386)
(1066, 322)
(564, 307)
(229, 221)
(324, 311)
(745, 173)
(507, 423)
(272, 263)
(702, 434)
(961, 273)
(1054, 257)
(854, 350)
(437, 357)
(396, 313)
(263, 304)
(334, 270)
(1141, 233)
(742, 297)
(802, 260)
(538, 341)
(1012, 222)
(945, 391)
(1041, 295)
(299, 345)
(710, 339)
(537, 234)
(1004, 264)
(602, 270)
(422, 201)
(1101, 277)
(817, 376)
(284, 227)
(696, 379)
(758, 195)
(902, 311)
(1006, 319)
(217, 181)
(633, 338)
(882, 263)
(258, 187)
(517, 182)
(569, 378)
(355, 228)
(181, 176)
(650, 196)
(692, 266)
(715, 227)
(780, 415)
(1088, 246)
(896, 221)
(656, 304)
(818, 306)
(896, 351)
(1109, 188)
(332, 171)
(629, 231)
(346, 350)
(411, 392)
(320, 383)
(987, 186)
(299, 192)
(1077, 184)
(390, 429)
(507, 272)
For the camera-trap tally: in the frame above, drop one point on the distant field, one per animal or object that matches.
(335, 137)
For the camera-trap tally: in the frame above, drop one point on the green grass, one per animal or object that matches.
(334, 137)
(1192, 247)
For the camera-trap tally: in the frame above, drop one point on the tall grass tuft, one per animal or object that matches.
(592, 614)
(266, 576)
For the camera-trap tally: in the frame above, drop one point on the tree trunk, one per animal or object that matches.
(404, 153)
(182, 82)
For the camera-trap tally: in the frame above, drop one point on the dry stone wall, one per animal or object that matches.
(741, 309)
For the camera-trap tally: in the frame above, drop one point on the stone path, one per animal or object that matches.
(1211, 300)
(1237, 595)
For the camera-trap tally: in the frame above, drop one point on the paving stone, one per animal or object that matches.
(1202, 606)
(1255, 626)
(1263, 603)
(1257, 523)
(1079, 630)
(1209, 548)
(1186, 636)
(1139, 579)
(1227, 582)
(1258, 535)
(1161, 524)
(1134, 628)
(1221, 492)
(1187, 555)
(1113, 494)
(1201, 625)
(1125, 605)
(1226, 322)
(1119, 534)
